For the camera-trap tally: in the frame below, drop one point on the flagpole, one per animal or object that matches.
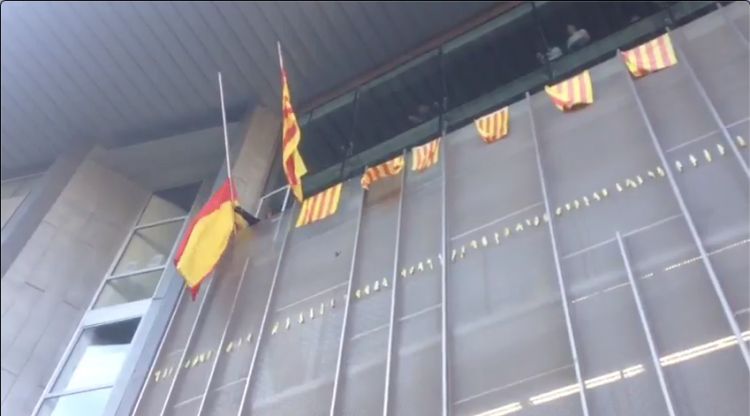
(281, 59)
(226, 139)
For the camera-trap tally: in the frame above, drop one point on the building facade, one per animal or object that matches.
(590, 263)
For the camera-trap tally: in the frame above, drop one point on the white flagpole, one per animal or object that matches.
(226, 139)
(281, 59)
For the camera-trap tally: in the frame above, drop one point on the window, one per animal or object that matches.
(94, 362)
(91, 370)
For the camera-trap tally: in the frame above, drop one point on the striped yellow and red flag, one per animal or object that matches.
(652, 56)
(319, 206)
(493, 127)
(383, 170)
(208, 236)
(573, 93)
(294, 165)
(426, 155)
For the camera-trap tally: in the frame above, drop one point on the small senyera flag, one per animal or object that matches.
(573, 93)
(319, 206)
(208, 235)
(383, 170)
(493, 127)
(426, 155)
(652, 56)
(294, 165)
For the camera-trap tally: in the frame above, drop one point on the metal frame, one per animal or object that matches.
(394, 287)
(689, 220)
(646, 327)
(711, 108)
(223, 338)
(264, 320)
(349, 293)
(445, 391)
(556, 255)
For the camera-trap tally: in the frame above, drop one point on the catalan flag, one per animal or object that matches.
(652, 56)
(208, 235)
(294, 165)
(426, 155)
(319, 206)
(572, 93)
(383, 170)
(493, 127)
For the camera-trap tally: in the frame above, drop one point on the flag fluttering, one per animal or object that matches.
(573, 93)
(383, 170)
(319, 206)
(294, 165)
(493, 127)
(208, 235)
(426, 155)
(652, 56)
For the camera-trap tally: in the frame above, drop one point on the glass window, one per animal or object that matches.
(128, 289)
(98, 356)
(326, 133)
(87, 403)
(149, 247)
(169, 203)
(495, 55)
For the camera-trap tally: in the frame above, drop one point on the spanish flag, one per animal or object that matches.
(652, 56)
(294, 166)
(319, 206)
(573, 93)
(383, 170)
(493, 127)
(207, 237)
(426, 155)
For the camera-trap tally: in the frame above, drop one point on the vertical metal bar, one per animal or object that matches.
(556, 255)
(223, 338)
(269, 302)
(730, 22)
(394, 286)
(349, 290)
(443, 244)
(711, 108)
(689, 220)
(646, 327)
(159, 349)
(207, 291)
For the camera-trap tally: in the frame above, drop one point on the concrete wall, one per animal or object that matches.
(48, 287)
(255, 155)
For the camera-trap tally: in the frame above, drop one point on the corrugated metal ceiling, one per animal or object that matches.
(121, 73)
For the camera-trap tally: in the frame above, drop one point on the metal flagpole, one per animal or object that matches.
(349, 293)
(711, 108)
(394, 286)
(726, 309)
(223, 338)
(226, 139)
(558, 268)
(646, 328)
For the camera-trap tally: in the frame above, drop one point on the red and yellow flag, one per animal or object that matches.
(383, 170)
(573, 93)
(294, 166)
(207, 237)
(426, 155)
(652, 56)
(493, 127)
(319, 206)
